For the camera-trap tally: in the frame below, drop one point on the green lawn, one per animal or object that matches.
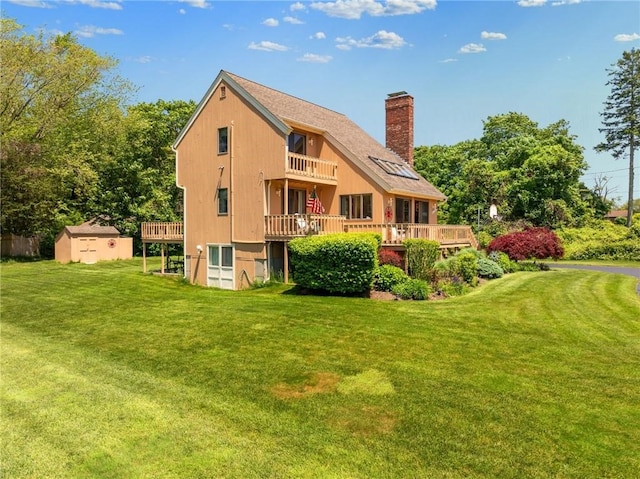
(107, 372)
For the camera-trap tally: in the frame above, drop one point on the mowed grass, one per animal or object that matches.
(111, 373)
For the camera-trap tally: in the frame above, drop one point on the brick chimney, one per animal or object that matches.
(399, 124)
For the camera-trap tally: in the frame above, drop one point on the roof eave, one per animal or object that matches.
(223, 77)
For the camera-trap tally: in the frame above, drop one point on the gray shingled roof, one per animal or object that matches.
(337, 128)
(93, 230)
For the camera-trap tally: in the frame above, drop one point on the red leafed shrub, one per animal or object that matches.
(388, 256)
(536, 243)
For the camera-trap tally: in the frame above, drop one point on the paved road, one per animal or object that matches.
(607, 269)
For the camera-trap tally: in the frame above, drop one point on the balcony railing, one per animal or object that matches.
(162, 232)
(310, 167)
(396, 233)
(282, 227)
(291, 226)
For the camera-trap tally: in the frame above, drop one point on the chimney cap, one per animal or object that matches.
(398, 93)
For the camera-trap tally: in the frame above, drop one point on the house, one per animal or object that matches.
(259, 167)
(89, 243)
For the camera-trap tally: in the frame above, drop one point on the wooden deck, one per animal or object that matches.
(286, 227)
(162, 232)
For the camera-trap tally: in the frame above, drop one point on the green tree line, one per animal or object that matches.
(72, 148)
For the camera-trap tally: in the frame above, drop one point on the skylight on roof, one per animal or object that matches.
(397, 169)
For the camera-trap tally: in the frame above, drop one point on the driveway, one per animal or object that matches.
(635, 272)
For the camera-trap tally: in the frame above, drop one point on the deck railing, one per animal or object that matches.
(290, 226)
(396, 233)
(303, 165)
(162, 231)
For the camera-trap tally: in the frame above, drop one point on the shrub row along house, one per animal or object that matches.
(259, 167)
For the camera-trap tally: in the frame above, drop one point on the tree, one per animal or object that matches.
(60, 115)
(530, 173)
(621, 115)
(137, 183)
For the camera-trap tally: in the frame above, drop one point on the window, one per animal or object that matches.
(214, 256)
(223, 143)
(397, 169)
(422, 212)
(223, 201)
(403, 210)
(297, 143)
(356, 206)
(227, 256)
(223, 92)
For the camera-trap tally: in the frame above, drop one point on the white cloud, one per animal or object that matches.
(493, 36)
(267, 46)
(566, 2)
(271, 22)
(143, 59)
(382, 39)
(111, 5)
(297, 7)
(532, 3)
(354, 9)
(448, 60)
(90, 31)
(182, 11)
(472, 48)
(292, 21)
(313, 58)
(196, 3)
(318, 36)
(31, 3)
(626, 37)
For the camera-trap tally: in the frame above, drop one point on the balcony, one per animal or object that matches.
(162, 232)
(303, 167)
(285, 227)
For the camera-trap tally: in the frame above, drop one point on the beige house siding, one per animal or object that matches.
(256, 172)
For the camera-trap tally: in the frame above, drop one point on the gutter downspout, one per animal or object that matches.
(184, 217)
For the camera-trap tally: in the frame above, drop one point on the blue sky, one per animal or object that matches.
(461, 61)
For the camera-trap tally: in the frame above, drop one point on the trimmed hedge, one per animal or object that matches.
(342, 263)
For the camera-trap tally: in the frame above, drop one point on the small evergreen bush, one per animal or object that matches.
(489, 269)
(412, 288)
(503, 261)
(388, 276)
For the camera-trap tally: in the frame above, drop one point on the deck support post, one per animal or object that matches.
(286, 263)
(144, 257)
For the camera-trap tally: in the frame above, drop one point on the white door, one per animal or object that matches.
(220, 266)
(88, 250)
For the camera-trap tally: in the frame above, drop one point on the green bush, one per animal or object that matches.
(453, 287)
(339, 263)
(503, 261)
(388, 276)
(468, 267)
(489, 269)
(602, 240)
(421, 255)
(621, 250)
(412, 288)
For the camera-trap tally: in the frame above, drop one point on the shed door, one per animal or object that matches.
(88, 250)
(220, 266)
